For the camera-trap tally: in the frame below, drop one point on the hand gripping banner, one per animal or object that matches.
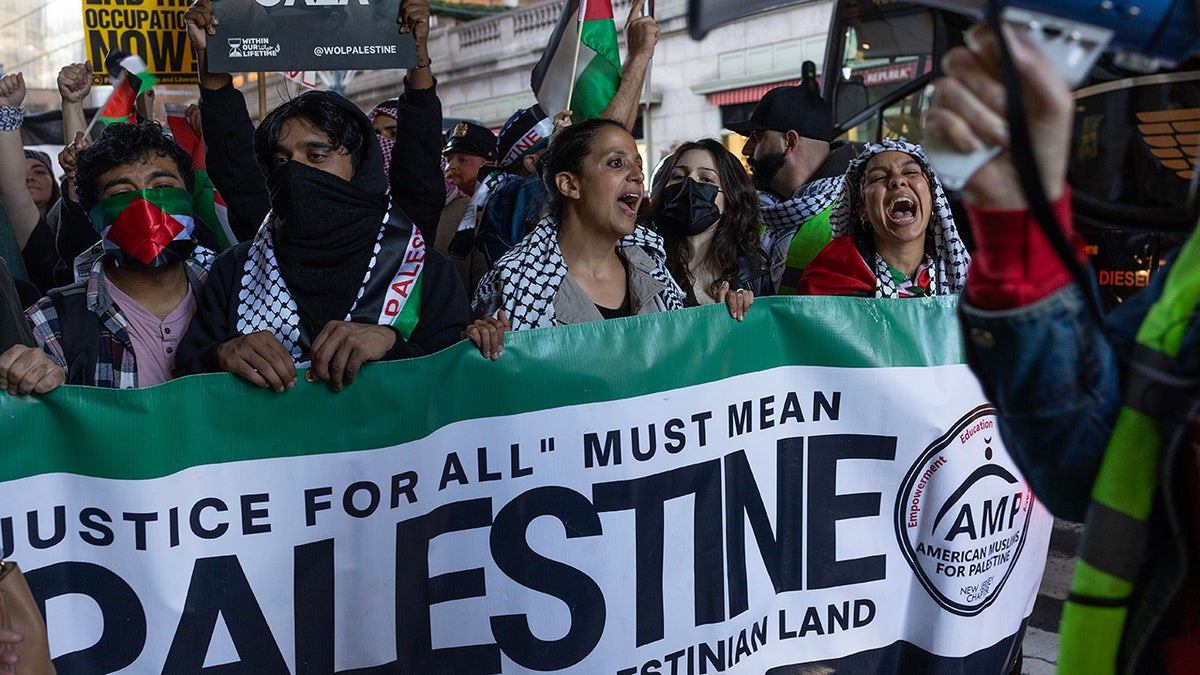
(821, 487)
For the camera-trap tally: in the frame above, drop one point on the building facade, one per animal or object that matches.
(483, 67)
(37, 37)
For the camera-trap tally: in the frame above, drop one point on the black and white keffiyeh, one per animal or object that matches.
(264, 302)
(527, 278)
(950, 259)
(811, 199)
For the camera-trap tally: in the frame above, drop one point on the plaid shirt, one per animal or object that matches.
(115, 365)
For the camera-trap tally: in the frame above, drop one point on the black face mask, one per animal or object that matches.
(689, 207)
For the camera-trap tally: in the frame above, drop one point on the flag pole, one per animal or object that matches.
(646, 92)
(578, 41)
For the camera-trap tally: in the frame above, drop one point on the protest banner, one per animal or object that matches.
(151, 29)
(820, 487)
(288, 35)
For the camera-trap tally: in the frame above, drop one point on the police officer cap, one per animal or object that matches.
(472, 139)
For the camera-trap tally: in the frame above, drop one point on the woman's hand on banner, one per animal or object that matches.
(9, 658)
(488, 334)
(27, 370)
(739, 301)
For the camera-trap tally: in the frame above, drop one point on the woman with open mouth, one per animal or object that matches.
(588, 259)
(893, 233)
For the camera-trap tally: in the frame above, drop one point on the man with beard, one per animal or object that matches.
(334, 276)
(798, 172)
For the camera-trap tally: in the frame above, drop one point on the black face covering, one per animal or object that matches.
(324, 239)
(689, 207)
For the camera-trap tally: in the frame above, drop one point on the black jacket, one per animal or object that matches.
(416, 181)
(445, 311)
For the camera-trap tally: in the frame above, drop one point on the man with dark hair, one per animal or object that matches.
(334, 276)
(119, 326)
(798, 171)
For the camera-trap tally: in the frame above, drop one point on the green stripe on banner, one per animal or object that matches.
(137, 434)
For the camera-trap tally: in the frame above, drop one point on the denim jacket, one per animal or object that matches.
(1056, 380)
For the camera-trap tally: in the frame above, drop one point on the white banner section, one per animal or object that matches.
(797, 515)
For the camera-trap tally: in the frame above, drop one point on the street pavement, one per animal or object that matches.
(1041, 638)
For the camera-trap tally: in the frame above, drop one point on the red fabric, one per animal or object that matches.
(597, 9)
(837, 270)
(143, 230)
(188, 139)
(119, 106)
(1181, 651)
(1014, 263)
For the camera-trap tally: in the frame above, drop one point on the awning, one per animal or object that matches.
(746, 94)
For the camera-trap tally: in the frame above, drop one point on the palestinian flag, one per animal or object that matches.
(598, 71)
(142, 222)
(134, 79)
(208, 205)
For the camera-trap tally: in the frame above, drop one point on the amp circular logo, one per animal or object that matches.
(962, 513)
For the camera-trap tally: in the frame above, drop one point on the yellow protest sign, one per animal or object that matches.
(151, 29)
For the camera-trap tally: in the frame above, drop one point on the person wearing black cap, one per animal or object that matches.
(798, 171)
(508, 201)
(468, 149)
(470, 155)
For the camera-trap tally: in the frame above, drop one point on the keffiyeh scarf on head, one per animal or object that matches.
(950, 260)
(385, 144)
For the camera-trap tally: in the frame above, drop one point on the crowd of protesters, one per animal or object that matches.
(370, 237)
(333, 215)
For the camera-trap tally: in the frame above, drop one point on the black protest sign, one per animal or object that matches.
(151, 29)
(256, 35)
